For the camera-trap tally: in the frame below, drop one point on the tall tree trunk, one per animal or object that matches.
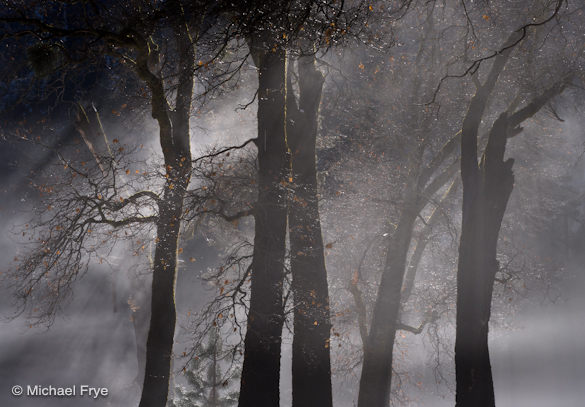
(260, 373)
(311, 365)
(484, 202)
(376, 375)
(163, 314)
(486, 192)
(477, 263)
(176, 147)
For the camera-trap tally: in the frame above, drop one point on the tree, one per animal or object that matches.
(284, 23)
(265, 318)
(487, 187)
(349, 161)
(134, 35)
(207, 384)
(428, 168)
(311, 366)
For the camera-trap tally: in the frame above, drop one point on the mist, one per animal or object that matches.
(213, 204)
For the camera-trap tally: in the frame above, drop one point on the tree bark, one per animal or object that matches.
(484, 203)
(163, 314)
(376, 376)
(175, 142)
(476, 269)
(486, 191)
(261, 369)
(311, 365)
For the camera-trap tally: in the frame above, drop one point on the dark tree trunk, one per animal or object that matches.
(485, 196)
(161, 332)
(477, 263)
(486, 190)
(311, 365)
(376, 376)
(260, 373)
(159, 346)
(176, 147)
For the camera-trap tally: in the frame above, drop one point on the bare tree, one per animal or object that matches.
(157, 43)
(311, 366)
(486, 190)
